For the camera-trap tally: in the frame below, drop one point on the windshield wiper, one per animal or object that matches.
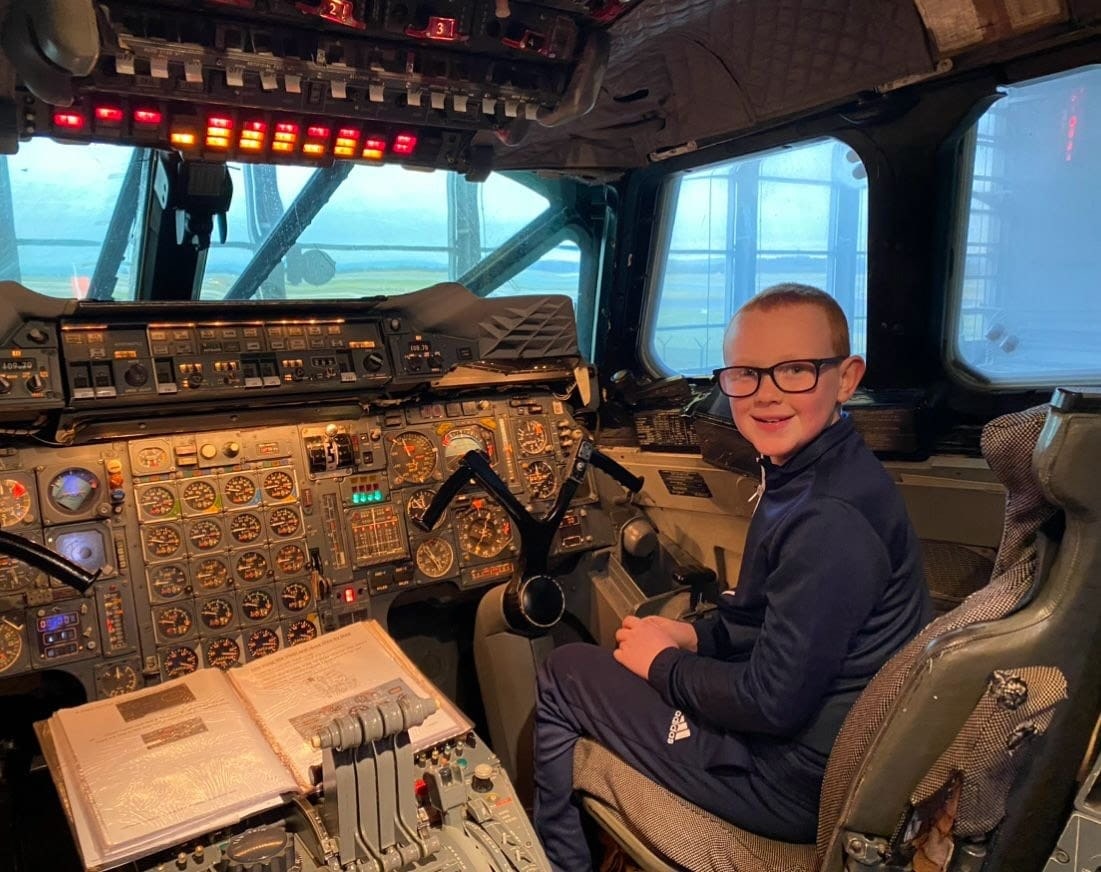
(285, 233)
(105, 275)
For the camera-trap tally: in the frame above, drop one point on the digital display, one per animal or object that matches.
(420, 347)
(53, 623)
(22, 364)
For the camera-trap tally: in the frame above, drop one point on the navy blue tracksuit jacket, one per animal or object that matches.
(831, 586)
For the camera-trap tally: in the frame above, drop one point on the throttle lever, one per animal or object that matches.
(613, 468)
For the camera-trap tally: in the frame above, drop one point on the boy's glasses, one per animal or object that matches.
(790, 376)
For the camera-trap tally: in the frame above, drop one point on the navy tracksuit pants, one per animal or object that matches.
(584, 692)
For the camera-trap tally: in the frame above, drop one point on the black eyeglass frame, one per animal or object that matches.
(762, 371)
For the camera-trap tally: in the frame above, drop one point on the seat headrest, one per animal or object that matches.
(1007, 445)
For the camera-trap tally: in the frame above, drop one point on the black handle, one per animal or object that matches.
(620, 473)
(41, 557)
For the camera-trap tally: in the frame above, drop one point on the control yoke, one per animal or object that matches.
(42, 558)
(534, 602)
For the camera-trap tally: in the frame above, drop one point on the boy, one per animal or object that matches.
(737, 713)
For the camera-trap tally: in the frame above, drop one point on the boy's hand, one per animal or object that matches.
(681, 632)
(639, 642)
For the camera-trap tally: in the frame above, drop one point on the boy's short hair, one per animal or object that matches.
(794, 294)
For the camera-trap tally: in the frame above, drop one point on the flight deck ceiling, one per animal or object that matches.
(583, 85)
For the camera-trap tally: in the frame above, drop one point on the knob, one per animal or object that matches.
(195, 379)
(38, 336)
(483, 778)
(373, 362)
(208, 451)
(534, 604)
(231, 449)
(35, 384)
(136, 375)
(5, 385)
(639, 537)
(264, 849)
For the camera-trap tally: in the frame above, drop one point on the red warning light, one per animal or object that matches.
(70, 120)
(349, 595)
(374, 147)
(404, 143)
(110, 114)
(148, 116)
(316, 131)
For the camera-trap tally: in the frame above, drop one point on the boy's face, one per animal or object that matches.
(778, 424)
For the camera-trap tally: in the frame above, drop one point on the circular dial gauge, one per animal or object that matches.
(279, 485)
(174, 622)
(484, 530)
(301, 631)
(157, 501)
(240, 490)
(290, 559)
(457, 442)
(252, 566)
(15, 575)
(162, 541)
(531, 436)
(257, 605)
(211, 574)
(540, 478)
(418, 504)
(216, 613)
(168, 581)
(296, 596)
(73, 489)
(412, 458)
(117, 680)
(180, 660)
(245, 527)
(15, 502)
(200, 496)
(205, 535)
(262, 642)
(152, 457)
(11, 644)
(435, 557)
(284, 521)
(223, 652)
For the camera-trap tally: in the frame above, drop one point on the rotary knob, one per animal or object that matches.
(208, 451)
(231, 449)
(35, 384)
(483, 778)
(136, 375)
(373, 362)
(263, 849)
(5, 385)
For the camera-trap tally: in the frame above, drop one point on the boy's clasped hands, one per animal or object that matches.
(640, 640)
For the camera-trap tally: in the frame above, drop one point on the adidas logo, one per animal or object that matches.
(678, 729)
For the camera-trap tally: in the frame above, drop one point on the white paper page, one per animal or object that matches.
(156, 763)
(295, 691)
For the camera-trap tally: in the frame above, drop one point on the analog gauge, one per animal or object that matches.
(168, 581)
(484, 530)
(290, 559)
(301, 631)
(257, 605)
(262, 642)
(223, 653)
(245, 527)
(180, 660)
(73, 490)
(204, 535)
(15, 502)
(541, 479)
(284, 521)
(240, 490)
(296, 596)
(162, 541)
(216, 613)
(412, 458)
(279, 485)
(117, 680)
(11, 644)
(457, 442)
(151, 458)
(211, 574)
(174, 622)
(15, 575)
(251, 566)
(418, 504)
(200, 496)
(531, 436)
(435, 557)
(157, 501)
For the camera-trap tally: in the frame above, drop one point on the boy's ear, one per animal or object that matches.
(852, 371)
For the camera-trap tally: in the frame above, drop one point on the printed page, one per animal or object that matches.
(296, 690)
(163, 764)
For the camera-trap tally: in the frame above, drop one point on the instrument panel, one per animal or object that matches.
(222, 546)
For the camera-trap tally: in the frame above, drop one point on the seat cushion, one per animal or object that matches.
(683, 834)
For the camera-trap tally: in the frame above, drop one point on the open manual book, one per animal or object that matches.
(157, 766)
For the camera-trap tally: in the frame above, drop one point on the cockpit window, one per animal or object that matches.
(732, 229)
(1027, 311)
(67, 215)
(373, 230)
